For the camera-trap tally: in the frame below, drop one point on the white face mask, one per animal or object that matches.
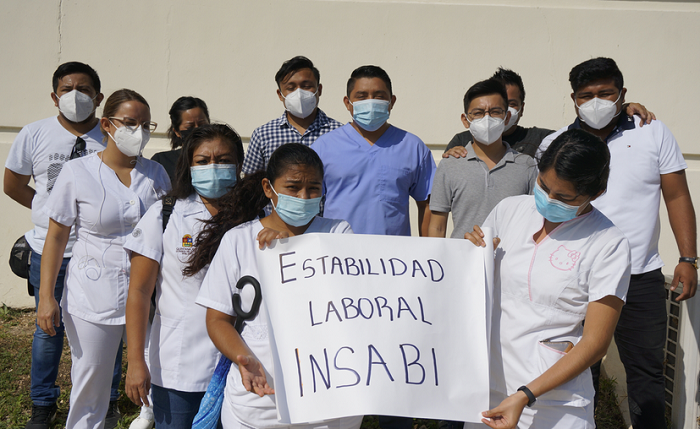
(131, 142)
(514, 115)
(598, 113)
(300, 103)
(76, 106)
(486, 130)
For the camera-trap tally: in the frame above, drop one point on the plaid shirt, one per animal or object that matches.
(268, 137)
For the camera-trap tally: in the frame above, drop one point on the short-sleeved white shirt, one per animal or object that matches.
(638, 157)
(235, 259)
(181, 354)
(544, 292)
(40, 150)
(89, 195)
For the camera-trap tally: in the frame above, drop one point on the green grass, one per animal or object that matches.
(17, 328)
(608, 413)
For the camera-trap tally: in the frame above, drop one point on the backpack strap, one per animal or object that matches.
(168, 204)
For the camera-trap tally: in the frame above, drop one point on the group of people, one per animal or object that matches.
(152, 250)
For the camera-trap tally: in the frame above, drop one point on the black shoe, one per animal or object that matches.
(113, 415)
(42, 417)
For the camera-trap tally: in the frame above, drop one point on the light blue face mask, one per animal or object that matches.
(213, 180)
(370, 114)
(296, 211)
(553, 210)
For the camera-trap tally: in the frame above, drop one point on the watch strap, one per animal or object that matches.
(691, 260)
(530, 396)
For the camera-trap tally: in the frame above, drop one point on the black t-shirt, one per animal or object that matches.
(524, 140)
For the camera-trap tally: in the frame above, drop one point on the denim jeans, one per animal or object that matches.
(46, 350)
(174, 409)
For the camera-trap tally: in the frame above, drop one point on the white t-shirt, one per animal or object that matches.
(638, 158)
(89, 195)
(181, 354)
(544, 293)
(234, 259)
(40, 150)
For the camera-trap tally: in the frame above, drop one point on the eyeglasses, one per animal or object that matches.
(496, 112)
(78, 149)
(131, 124)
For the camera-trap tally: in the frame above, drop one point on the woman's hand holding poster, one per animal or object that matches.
(364, 324)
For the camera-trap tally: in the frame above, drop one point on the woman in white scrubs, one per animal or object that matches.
(182, 357)
(560, 261)
(293, 182)
(104, 195)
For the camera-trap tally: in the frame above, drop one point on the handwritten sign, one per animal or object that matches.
(366, 324)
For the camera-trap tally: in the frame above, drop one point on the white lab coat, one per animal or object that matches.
(182, 357)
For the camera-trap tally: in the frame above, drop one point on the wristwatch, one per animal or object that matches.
(693, 261)
(530, 396)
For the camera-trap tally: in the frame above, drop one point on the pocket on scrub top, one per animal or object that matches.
(168, 335)
(391, 182)
(103, 287)
(567, 393)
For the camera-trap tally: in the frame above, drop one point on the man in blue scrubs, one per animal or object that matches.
(372, 167)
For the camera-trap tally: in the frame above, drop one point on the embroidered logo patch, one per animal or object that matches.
(564, 259)
(187, 240)
(136, 232)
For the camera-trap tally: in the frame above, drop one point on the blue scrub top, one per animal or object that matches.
(369, 185)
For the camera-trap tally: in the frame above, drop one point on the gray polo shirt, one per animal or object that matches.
(467, 188)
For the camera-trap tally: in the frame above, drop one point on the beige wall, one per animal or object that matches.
(227, 52)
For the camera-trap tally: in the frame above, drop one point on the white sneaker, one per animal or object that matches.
(142, 423)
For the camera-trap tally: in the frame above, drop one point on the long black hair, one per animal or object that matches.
(246, 200)
(182, 186)
(181, 105)
(581, 158)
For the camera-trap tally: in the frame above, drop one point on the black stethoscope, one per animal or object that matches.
(242, 316)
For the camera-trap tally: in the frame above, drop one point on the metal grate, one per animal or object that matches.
(672, 347)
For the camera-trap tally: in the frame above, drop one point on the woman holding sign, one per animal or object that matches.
(560, 261)
(293, 182)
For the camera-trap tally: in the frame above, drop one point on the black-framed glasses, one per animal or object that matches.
(495, 112)
(79, 149)
(131, 124)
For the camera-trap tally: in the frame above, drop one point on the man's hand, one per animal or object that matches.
(637, 109)
(687, 274)
(456, 152)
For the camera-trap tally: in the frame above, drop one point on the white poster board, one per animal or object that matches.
(364, 324)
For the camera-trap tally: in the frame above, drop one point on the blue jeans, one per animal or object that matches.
(46, 350)
(174, 409)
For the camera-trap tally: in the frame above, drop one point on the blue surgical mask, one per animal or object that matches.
(553, 210)
(213, 180)
(370, 114)
(296, 211)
